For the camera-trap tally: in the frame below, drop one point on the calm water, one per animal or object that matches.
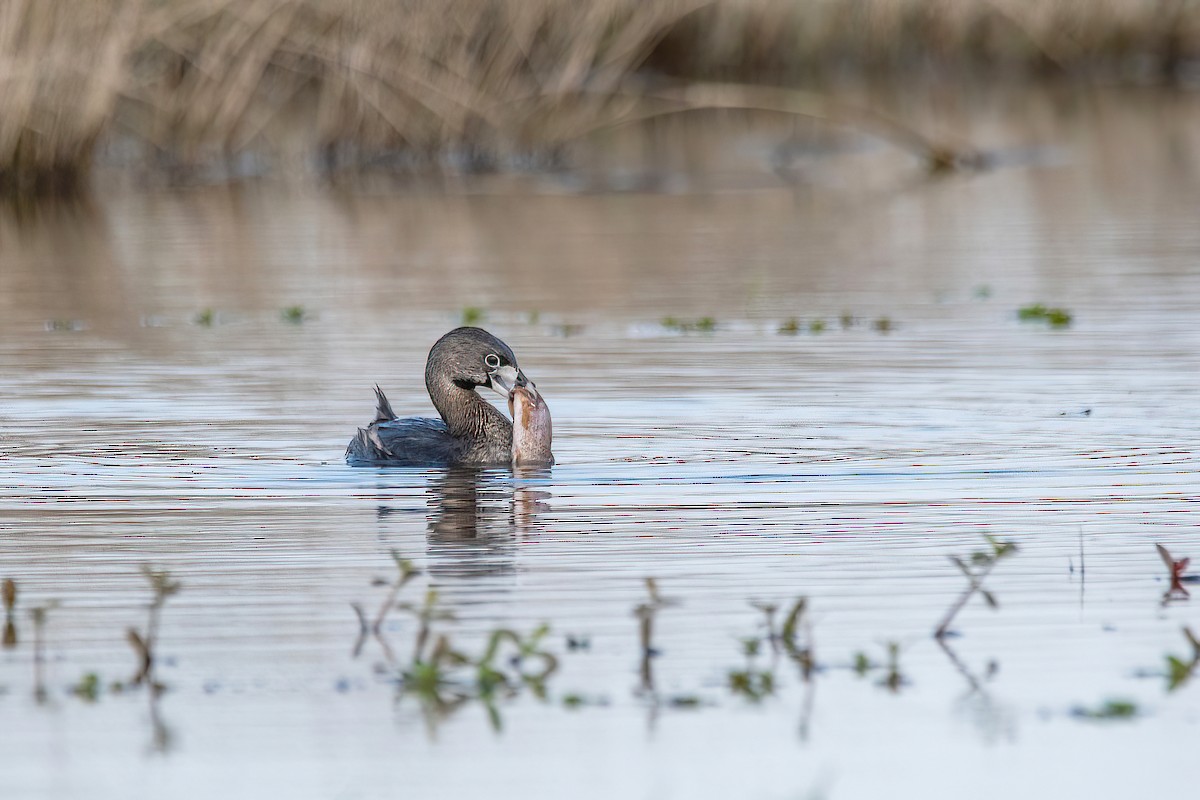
(733, 465)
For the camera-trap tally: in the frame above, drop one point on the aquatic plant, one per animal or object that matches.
(441, 689)
(646, 613)
(472, 315)
(701, 325)
(752, 684)
(578, 642)
(799, 650)
(426, 613)
(405, 573)
(893, 679)
(9, 592)
(983, 562)
(574, 700)
(88, 687)
(883, 325)
(205, 318)
(768, 611)
(295, 315)
(65, 325)
(1176, 569)
(1179, 670)
(39, 615)
(566, 329)
(442, 677)
(793, 326)
(1053, 317)
(145, 642)
(1114, 709)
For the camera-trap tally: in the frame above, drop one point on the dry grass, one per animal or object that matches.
(204, 80)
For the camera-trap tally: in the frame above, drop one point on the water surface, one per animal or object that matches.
(732, 465)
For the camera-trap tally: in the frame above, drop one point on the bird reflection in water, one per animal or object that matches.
(476, 516)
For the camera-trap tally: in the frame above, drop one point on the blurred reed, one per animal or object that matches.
(351, 81)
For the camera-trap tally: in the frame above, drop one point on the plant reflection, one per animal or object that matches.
(991, 718)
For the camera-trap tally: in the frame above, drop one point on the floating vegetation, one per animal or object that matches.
(471, 315)
(983, 292)
(206, 318)
(793, 326)
(1053, 317)
(442, 677)
(574, 700)
(437, 680)
(701, 325)
(145, 642)
(893, 679)
(65, 325)
(982, 564)
(576, 642)
(1176, 569)
(752, 684)
(88, 687)
(406, 572)
(1179, 670)
(1116, 709)
(846, 321)
(566, 329)
(426, 613)
(295, 315)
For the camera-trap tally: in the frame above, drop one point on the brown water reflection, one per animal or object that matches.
(739, 464)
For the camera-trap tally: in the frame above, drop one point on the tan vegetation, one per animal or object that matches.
(351, 80)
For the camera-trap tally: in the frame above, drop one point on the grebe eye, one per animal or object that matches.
(492, 360)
